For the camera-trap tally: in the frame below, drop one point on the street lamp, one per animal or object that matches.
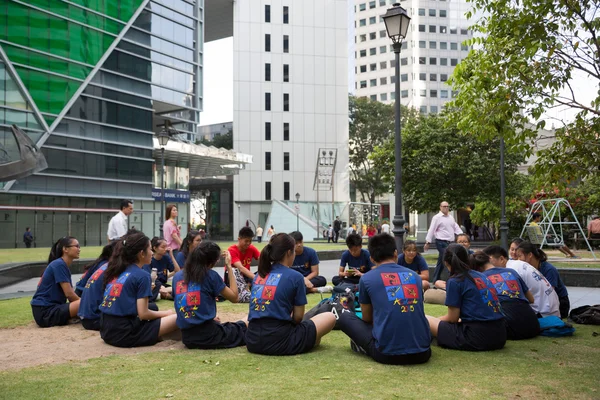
(163, 139)
(297, 213)
(396, 22)
(503, 221)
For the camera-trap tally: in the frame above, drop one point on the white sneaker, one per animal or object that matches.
(325, 289)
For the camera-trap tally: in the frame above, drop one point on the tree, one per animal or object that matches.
(439, 164)
(526, 56)
(224, 141)
(371, 125)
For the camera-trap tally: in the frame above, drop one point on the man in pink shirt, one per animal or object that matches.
(443, 229)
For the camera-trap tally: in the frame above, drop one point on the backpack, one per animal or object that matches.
(337, 304)
(555, 327)
(587, 315)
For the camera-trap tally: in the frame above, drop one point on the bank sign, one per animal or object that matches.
(177, 196)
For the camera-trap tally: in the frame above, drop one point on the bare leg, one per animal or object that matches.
(73, 308)
(425, 285)
(567, 251)
(434, 324)
(168, 324)
(324, 323)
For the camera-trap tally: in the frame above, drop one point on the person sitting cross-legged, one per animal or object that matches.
(356, 258)
(307, 263)
(393, 329)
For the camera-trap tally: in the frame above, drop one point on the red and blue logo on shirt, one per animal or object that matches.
(95, 276)
(401, 288)
(505, 284)
(488, 294)
(114, 290)
(187, 298)
(263, 291)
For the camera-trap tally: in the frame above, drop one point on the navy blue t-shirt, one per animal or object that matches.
(276, 295)
(163, 267)
(93, 294)
(362, 262)
(120, 295)
(180, 258)
(304, 261)
(195, 302)
(399, 323)
(551, 274)
(477, 300)
(418, 264)
(49, 292)
(509, 285)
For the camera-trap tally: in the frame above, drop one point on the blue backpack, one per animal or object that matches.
(555, 327)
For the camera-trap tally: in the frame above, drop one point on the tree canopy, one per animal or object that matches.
(224, 141)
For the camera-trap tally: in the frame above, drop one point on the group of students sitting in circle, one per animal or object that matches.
(490, 298)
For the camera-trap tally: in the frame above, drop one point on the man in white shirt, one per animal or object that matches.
(443, 229)
(385, 228)
(117, 227)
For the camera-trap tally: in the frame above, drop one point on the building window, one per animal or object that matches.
(433, 77)
(286, 44)
(443, 46)
(403, 61)
(453, 62)
(373, 67)
(443, 13)
(267, 72)
(423, 109)
(363, 84)
(422, 60)
(383, 96)
(286, 15)
(404, 94)
(464, 47)
(382, 34)
(433, 109)
(286, 190)
(267, 42)
(453, 31)
(444, 94)
(363, 53)
(422, 76)
(382, 49)
(363, 68)
(286, 72)
(286, 131)
(422, 12)
(373, 82)
(267, 101)
(267, 13)
(286, 161)
(423, 93)
(381, 3)
(286, 102)
(363, 38)
(404, 45)
(267, 190)
(464, 31)
(267, 131)
(443, 61)
(443, 77)
(421, 28)
(362, 7)
(432, 61)
(422, 44)
(383, 81)
(403, 77)
(373, 51)
(433, 93)
(432, 12)
(382, 64)
(453, 46)
(362, 22)
(267, 160)
(432, 44)
(373, 97)
(432, 28)
(393, 79)
(454, 94)
(443, 29)
(372, 20)
(373, 35)
(393, 96)
(372, 4)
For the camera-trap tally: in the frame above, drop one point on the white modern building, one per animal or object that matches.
(290, 100)
(431, 50)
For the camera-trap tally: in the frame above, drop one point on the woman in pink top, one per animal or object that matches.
(171, 231)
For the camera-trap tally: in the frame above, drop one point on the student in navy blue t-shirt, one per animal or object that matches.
(535, 256)
(49, 303)
(191, 241)
(472, 299)
(277, 305)
(393, 329)
(356, 258)
(411, 259)
(166, 266)
(92, 296)
(126, 320)
(91, 268)
(195, 289)
(513, 294)
(307, 263)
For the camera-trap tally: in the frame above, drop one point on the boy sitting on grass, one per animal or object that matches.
(356, 258)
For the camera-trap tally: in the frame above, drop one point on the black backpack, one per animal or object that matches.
(586, 315)
(337, 304)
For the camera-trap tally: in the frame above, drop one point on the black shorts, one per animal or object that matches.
(48, 316)
(91, 324)
(472, 335)
(128, 331)
(274, 337)
(214, 335)
(521, 320)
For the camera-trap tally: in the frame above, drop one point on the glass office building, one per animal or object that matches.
(91, 82)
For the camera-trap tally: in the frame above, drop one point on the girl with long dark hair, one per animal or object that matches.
(514, 296)
(49, 303)
(277, 305)
(535, 256)
(126, 320)
(191, 241)
(90, 269)
(472, 299)
(195, 290)
(166, 266)
(172, 231)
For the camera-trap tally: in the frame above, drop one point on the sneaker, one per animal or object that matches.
(324, 289)
(356, 348)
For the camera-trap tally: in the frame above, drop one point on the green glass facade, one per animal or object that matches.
(104, 75)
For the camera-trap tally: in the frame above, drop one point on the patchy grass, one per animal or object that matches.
(538, 368)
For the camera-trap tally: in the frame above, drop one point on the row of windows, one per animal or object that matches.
(443, 61)
(286, 101)
(373, 4)
(422, 93)
(286, 161)
(422, 45)
(286, 190)
(286, 131)
(286, 72)
(403, 78)
(433, 13)
(286, 14)
(286, 43)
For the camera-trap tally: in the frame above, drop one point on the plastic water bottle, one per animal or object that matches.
(154, 274)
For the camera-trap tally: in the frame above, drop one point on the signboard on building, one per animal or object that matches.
(177, 196)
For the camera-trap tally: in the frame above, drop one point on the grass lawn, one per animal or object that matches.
(538, 368)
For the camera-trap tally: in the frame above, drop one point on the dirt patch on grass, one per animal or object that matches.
(29, 346)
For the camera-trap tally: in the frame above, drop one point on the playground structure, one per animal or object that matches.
(550, 230)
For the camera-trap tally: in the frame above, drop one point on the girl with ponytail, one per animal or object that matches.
(277, 305)
(49, 304)
(195, 290)
(126, 320)
(472, 299)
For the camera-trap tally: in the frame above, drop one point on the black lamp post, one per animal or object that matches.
(396, 23)
(503, 221)
(297, 213)
(163, 139)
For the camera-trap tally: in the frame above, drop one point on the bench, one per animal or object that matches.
(536, 236)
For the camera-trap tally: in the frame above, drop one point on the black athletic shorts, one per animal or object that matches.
(48, 316)
(280, 338)
(91, 324)
(521, 320)
(128, 331)
(472, 335)
(214, 335)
